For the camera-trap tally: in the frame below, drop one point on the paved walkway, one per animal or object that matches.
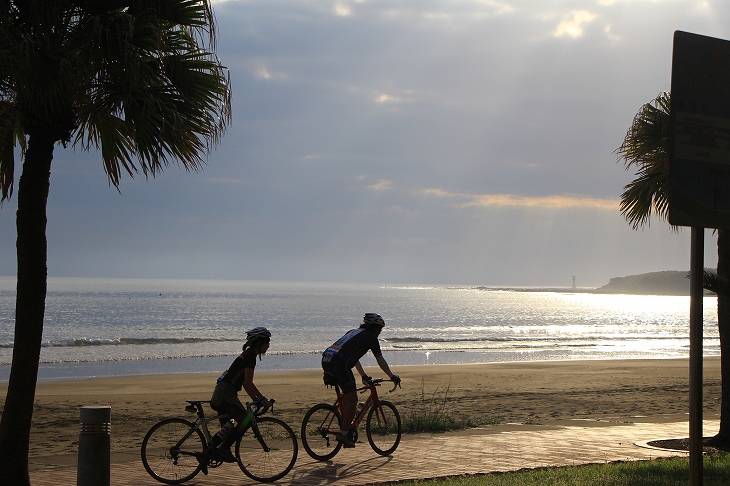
(492, 449)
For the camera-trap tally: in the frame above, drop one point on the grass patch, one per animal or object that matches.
(432, 414)
(657, 472)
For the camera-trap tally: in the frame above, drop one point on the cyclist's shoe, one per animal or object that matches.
(226, 455)
(203, 464)
(345, 439)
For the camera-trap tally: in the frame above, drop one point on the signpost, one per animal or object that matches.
(699, 170)
(699, 182)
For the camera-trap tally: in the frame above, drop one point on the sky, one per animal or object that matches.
(423, 142)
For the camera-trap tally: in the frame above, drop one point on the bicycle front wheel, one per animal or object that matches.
(272, 454)
(383, 428)
(319, 427)
(169, 451)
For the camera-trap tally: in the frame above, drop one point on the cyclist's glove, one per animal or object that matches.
(263, 404)
(395, 379)
(367, 379)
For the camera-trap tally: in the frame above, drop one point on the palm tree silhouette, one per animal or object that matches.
(138, 80)
(645, 147)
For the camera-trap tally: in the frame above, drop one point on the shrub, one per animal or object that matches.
(432, 414)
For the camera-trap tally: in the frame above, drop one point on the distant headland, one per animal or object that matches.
(670, 282)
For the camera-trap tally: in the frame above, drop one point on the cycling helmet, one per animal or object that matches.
(373, 320)
(254, 335)
(258, 333)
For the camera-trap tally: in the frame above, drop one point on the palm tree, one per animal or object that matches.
(139, 80)
(646, 147)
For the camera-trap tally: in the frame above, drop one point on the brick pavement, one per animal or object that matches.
(491, 449)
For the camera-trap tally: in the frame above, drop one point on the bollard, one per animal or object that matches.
(94, 464)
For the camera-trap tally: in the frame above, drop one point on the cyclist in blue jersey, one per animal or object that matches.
(240, 376)
(339, 359)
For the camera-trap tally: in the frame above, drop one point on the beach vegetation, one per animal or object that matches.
(646, 149)
(658, 472)
(431, 413)
(137, 81)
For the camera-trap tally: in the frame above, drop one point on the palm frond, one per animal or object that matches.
(11, 135)
(156, 73)
(647, 140)
(645, 146)
(715, 283)
(638, 201)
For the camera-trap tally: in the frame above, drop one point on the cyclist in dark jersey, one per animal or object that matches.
(339, 359)
(240, 376)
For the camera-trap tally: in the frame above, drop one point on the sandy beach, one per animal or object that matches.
(588, 393)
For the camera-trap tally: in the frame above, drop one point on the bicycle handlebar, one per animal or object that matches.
(259, 410)
(378, 381)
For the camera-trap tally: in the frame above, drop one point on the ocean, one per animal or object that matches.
(128, 327)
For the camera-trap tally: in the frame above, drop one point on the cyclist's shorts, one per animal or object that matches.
(225, 399)
(344, 376)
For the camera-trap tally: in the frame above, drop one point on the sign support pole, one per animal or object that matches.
(695, 355)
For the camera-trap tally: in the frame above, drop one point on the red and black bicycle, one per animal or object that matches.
(323, 421)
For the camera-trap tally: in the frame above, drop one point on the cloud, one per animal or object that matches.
(381, 185)
(552, 202)
(573, 24)
(513, 200)
(342, 10)
(386, 98)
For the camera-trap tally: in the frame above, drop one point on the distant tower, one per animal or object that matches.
(573, 281)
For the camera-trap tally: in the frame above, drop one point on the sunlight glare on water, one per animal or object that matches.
(99, 321)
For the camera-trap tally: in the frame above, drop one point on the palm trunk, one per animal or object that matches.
(32, 251)
(723, 324)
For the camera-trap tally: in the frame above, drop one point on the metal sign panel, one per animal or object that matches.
(699, 149)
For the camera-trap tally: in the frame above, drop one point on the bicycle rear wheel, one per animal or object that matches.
(274, 463)
(319, 427)
(169, 448)
(383, 428)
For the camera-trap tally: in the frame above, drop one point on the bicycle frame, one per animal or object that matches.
(372, 400)
(201, 422)
(251, 415)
